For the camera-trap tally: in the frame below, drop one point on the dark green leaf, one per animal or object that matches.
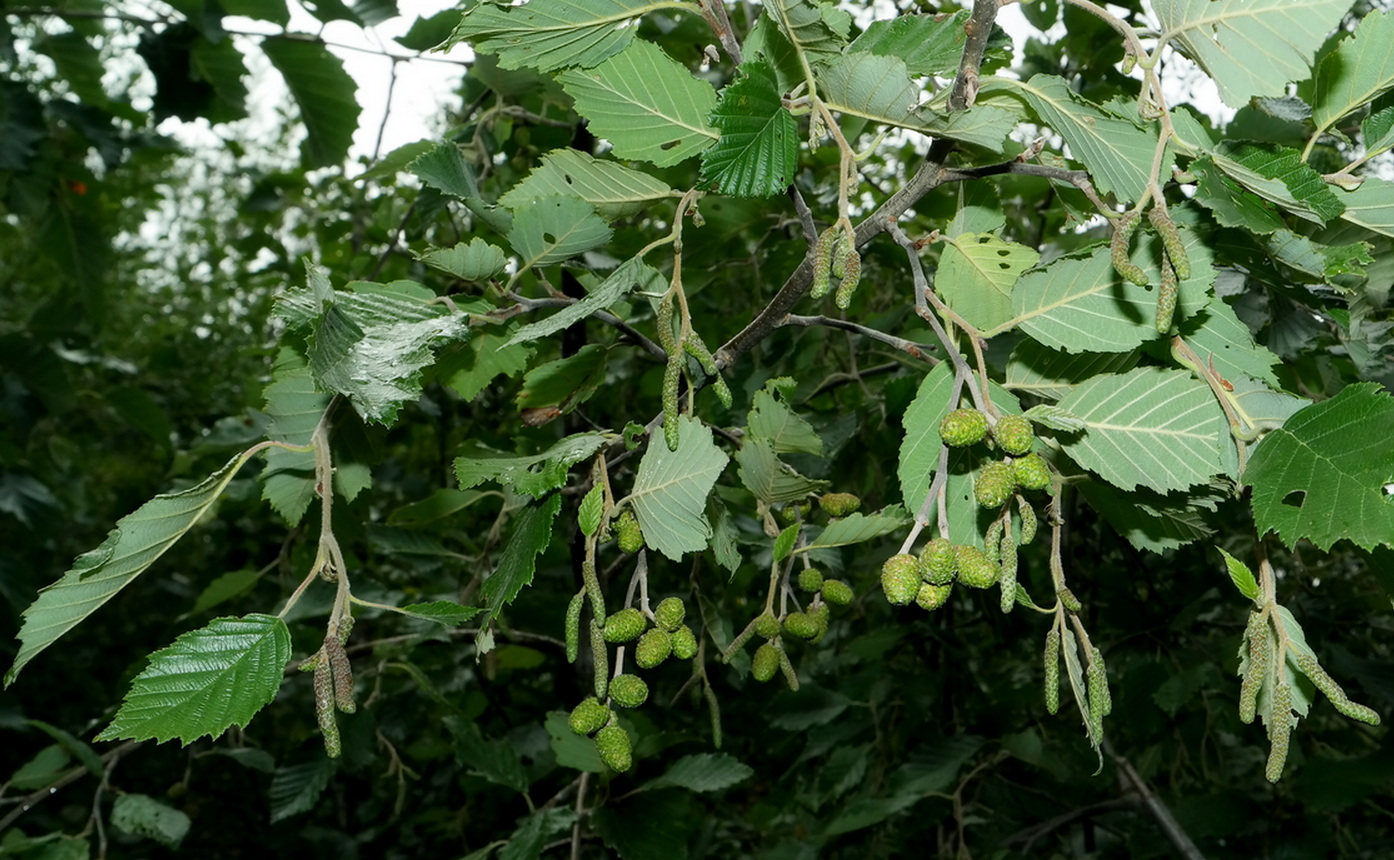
(324, 92)
(756, 153)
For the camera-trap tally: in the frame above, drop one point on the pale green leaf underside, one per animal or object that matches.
(702, 772)
(772, 419)
(1118, 153)
(985, 125)
(1357, 72)
(1371, 206)
(1049, 373)
(1155, 428)
(1322, 475)
(295, 408)
(446, 612)
(1079, 304)
(132, 546)
(646, 104)
(531, 474)
(1250, 47)
(1220, 339)
(805, 25)
(632, 274)
(475, 260)
(858, 528)
(1279, 176)
(553, 229)
(768, 478)
(1151, 521)
(758, 148)
(614, 190)
(870, 86)
(297, 788)
(976, 274)
(206, 681)
(552, 34)
(671, 487)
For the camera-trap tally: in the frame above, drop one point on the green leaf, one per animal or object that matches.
(614, 190)
(858, 528)
(225, 588)
(444, 168)
(632, 274)
(429, 31)
(295, 409)
(1046, 415)
(45, 768)
(556, 228)
(530, 475)
(79, 63)
(78, 749)
(1240, 575)
(1079, 304)
(378, 366)
(1377, 131)
(976, 274)
(143, 815)
(927, 44)
(446, 612)
(1371, 206)
(132, 546)
(654, 825)
(985, 125)
(702, 772)
(325, 94)
(550, 34)
(1155, 428)
(1220, 339)
(784, 542)
(437, 506)
(206, 681)
(531, 535)
(297, 788)
(476, 260)
(1322, 476)
(1359, 71)
(772, 420)
(646, 104)
(221, 66)
(1047, 373)
(480, 361)
(770, 479)
(758, 149)
(567, 382)
(870, 86)
(495, 760)
(1152, 521)
(808, 27)
(1250, 48)
(1118, 153)
(1278, 175)
(571, 749)
(592, 508)
(1230, 203)
(671, 487)
(535, 831)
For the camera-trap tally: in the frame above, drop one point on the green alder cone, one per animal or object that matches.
(625, 625)
(612, 742)
(670, 613)
(994, 485)
(837, 592)
(1031, 473)
(628, 691)
(653, 648)
(930, 597)
(820, 615)
(684, 643)
(900, 579)
(810, 580)
(938, 562)
(1014, 434)
(767, 626)
(963, 427)
(792, 512)
(628, 533)
(800, 625)
(839, 504)
(975, 569)
(765, 663)
(587, 717)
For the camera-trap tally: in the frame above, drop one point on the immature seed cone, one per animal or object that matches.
(1031, 473)
(765, 662)
(653, 648)
(1014, 434)
(930, 597)
(684, 643)
(974, 568)
(963, 427)
(625, 625)
(800, 625)
(767, 626)
(994, 485)
(837, 592)
(587, 717)
(628, 691)
(612, 742)
(938, 562)
(900, 579)
(669, 613)
(839, 504)
(810, 580)
(627, 532)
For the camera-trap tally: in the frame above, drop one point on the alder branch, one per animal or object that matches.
(915, 350)
(978, 28)
(524, 304)
(1175, 834)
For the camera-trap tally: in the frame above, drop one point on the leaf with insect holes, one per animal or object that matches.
(614, 190)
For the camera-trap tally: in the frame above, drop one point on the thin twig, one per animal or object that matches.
(69, 776)
(1175, 834)
(909, 347)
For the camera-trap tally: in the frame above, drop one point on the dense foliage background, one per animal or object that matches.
(140, 326)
